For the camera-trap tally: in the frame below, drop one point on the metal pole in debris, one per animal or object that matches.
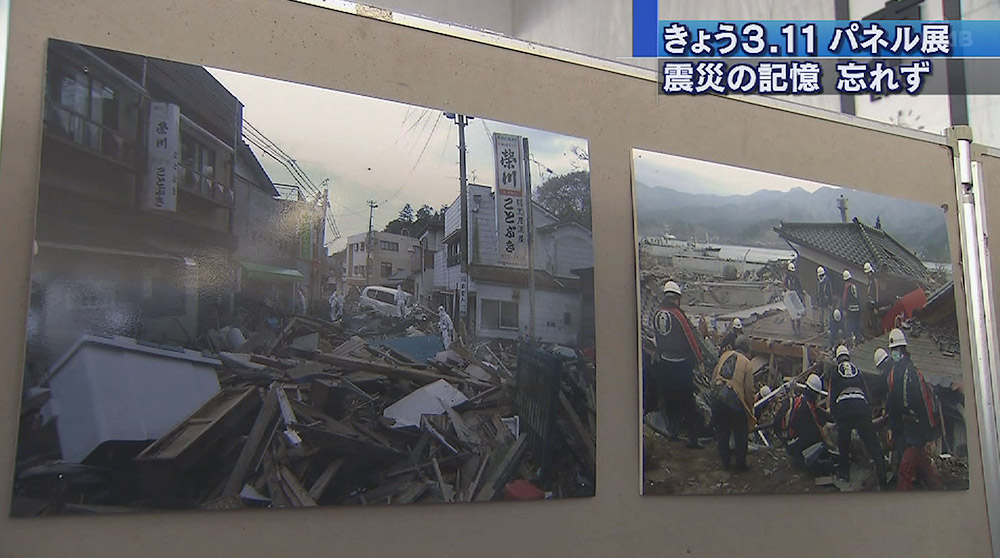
(368, 244)
(531, 241)
(979, 305)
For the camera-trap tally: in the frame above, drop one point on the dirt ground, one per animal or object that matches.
(672, 468)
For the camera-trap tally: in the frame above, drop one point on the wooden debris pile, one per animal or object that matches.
(312, 415)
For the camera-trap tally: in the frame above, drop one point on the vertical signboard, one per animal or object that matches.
(463, 297)
(512, 237)
(163, 140)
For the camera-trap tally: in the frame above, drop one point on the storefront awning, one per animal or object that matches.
(271, 272)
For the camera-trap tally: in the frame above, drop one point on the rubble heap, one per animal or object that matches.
(313, 414)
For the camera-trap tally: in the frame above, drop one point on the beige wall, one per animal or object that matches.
(307, 44)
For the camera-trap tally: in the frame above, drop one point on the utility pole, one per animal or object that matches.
(462, 121)
(531, 241)
(368, 245)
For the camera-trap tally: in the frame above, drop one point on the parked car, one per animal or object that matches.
(380, 299)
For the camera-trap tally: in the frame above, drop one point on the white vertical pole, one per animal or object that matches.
(979, 305)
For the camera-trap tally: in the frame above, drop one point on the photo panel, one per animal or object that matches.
(253, 293)
(795, 337)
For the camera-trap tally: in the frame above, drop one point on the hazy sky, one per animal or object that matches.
(379, 150)
(701, 177)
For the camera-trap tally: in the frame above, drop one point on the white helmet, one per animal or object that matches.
(737, 324)
(847, 275)
(843, 352)
(820, 271)
(880, 356)
(814, 383)
(869, 268)
(764, 392)
(791, 266)
(671, 288)
(837, 315)
(896, 338)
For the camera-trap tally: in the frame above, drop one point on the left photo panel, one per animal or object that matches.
(251, 293)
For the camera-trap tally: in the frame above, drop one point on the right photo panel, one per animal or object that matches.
(795, 337)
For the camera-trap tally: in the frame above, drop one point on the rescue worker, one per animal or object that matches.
(446, 326)
(801, 422)
(792, 283)
(400, 300)
(824, 297)
(910, 406)
(872, 325)
(732, 403)
(675, 357)
(837, 329)
(336, 306)
(852, 412)
(850, 305)
(303, 306)
(729, 340)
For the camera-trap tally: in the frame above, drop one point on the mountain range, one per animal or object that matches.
(749, 219)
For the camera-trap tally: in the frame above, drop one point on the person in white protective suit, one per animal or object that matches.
(400, 300)
(447, 327)
(336, 306)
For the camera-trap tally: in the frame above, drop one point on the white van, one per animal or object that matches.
(380, 299)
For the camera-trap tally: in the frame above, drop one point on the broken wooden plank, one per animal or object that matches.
(258, 340)
(249, 453)
(295, 488)
(501, 471)
(321, 484)
(586, 437)
(465, 434)
(412, 491)
(470, 491)
(349, 346)
(194, 436)
(421, 377)
(406, 468)
(277, 363)
(273, 344)
(447, 492)
(440, 437)
(274, 486)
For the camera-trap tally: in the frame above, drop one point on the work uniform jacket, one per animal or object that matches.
(910, 403)
(824, 292)
(675, 337)
(851, 300)
(873, 292)
(741, 382)
(802, 422)
(792, 283)
(848, 392)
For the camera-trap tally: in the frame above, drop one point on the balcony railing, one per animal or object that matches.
(89, 134)
(204, 187)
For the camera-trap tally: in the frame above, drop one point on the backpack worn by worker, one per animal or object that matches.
(723, 393)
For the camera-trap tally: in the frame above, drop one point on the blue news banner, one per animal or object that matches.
(815, 57)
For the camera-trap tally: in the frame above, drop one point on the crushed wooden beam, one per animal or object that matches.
(502, 470)
(319, 487)
(294, 489)
(250, 451)
(587, 439)
(447, 492)
(417, 376)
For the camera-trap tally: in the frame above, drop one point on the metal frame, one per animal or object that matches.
(979, 301)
